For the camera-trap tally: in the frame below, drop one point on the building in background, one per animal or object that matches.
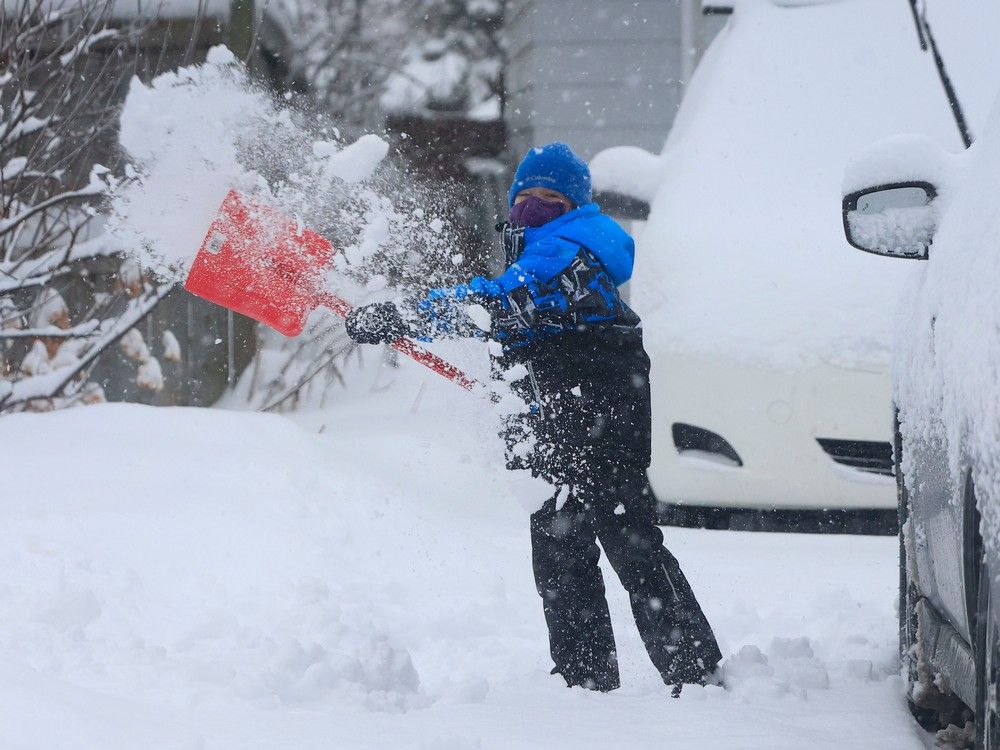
(599, 73)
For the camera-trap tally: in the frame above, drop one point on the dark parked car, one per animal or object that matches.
(907, 198)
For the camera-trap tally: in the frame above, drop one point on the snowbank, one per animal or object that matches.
(198, 570)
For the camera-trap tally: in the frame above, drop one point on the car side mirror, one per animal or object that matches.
(896, 220)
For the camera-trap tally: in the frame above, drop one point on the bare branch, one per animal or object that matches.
(85, 330)
(51, 385)
(62, 72)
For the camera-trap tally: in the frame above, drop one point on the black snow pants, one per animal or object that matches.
(612, 503)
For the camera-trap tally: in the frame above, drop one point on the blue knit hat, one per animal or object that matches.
(556, 167)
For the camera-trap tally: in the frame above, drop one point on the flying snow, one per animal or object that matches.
(196, 133)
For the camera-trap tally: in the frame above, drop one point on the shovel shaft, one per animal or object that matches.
(414, 351)
(259, 262)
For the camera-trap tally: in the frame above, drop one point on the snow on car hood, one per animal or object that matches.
(744, 253)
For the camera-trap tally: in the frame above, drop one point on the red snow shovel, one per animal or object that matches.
(262, 264)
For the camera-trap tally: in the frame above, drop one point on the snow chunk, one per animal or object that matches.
(324, 149)
(562, 496)
(480, 316)
(510, 404)
(358, 161)
(50, 310)
(183, 131)
(13, 167)
(36, 361)
(375, 234)
(220, 55)
(134, 346)
(789, 667)
(515, 373)
(791, 648)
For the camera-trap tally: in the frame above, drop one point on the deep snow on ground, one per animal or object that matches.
(360, 578)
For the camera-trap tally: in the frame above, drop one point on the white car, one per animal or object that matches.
(770, 340)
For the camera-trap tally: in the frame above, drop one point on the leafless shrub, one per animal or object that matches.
(61, 64)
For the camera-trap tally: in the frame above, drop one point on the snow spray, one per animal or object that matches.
(197, 132)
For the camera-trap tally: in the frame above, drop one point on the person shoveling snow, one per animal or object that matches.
(562, 338)
(561, 335)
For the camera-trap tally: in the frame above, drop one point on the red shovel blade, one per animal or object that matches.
(261, 263)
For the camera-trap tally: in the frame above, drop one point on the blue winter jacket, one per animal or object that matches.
(557, 312)
(566, 277)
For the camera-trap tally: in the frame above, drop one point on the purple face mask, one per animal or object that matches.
(535, 211)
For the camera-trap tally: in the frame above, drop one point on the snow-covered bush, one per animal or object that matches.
(359, 59)
(60, 65)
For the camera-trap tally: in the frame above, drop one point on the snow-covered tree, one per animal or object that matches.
(453, 63)
(60, 65)
(359, 59)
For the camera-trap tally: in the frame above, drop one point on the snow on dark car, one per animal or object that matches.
(907, 197)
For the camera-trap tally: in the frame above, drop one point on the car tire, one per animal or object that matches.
(985, 618)
(987, 653)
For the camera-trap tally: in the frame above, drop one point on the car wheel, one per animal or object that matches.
(987, 652)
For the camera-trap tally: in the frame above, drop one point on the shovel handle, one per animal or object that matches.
(414, 351)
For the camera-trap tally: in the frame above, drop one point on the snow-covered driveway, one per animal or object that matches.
(204, 579)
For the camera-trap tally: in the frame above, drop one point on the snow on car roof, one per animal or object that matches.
(744, 253)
